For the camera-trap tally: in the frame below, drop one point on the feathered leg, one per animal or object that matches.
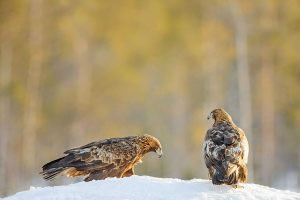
(243, 173)
(128, 173)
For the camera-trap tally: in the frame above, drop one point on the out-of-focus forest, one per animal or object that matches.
(72, 72)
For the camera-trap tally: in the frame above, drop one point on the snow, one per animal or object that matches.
(150, 188)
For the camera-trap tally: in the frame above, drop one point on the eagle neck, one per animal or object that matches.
(224, 121)
(143, 147)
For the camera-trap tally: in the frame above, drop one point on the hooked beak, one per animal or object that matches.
(159, 152)
(209, 116)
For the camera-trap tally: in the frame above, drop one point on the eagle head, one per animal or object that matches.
(151, 144)
(220, 114)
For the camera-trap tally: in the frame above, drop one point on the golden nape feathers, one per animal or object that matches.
(225, 150)
(115, 157)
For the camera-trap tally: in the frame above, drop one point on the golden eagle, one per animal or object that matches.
(225, 150)
(115, 157)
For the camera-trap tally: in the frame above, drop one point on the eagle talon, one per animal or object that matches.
(237, 186)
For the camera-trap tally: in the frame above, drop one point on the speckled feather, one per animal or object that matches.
(115, 157)
(226, 151)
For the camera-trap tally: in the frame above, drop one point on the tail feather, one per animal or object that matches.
(225, 173)
(53, 164)
(230, 175)
(52, 169)
(52, 173)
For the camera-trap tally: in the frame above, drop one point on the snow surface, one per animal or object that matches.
(145, 187)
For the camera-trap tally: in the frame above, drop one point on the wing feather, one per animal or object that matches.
(99, 160)
(225, 147)
(99, 144)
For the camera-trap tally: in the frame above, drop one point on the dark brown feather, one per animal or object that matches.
(225, 150)
(113, 157)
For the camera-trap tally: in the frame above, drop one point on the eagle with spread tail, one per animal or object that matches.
(114, 157)
(225, 150)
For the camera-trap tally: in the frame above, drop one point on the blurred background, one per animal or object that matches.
(73, 71)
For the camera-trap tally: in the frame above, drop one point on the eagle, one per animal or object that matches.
(225, 150)
(114, 157)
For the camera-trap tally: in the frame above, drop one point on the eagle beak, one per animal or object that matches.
(159, 152)
(209, 116)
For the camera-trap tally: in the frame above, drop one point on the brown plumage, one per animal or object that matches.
(225, 150)
(115, 157)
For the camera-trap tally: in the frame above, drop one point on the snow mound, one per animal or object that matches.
(150, 188)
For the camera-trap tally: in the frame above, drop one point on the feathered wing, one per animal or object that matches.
(98, 160)
(224, 154)
(243, 173)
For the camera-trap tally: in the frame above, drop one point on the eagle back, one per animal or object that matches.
(222, 142)
(115, 151)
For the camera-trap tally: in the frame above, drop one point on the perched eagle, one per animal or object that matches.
(225, 150)
(115, 157)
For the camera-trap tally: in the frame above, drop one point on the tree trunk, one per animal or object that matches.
(267, 118)
(178, 121)
(83, 86)
(32, 107)
(244, 90)
(5, 116)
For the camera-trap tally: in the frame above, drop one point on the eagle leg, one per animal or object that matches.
(128, 173)
(210, 173)
(243, 173)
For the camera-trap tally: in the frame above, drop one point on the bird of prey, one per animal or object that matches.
(225, 150)
(114, 157)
